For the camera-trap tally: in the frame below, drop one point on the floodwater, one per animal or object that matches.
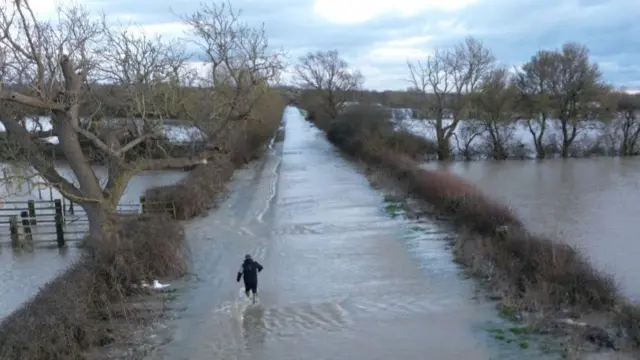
(342, 278)
(22, 273)
(21, 190)
(589, 203)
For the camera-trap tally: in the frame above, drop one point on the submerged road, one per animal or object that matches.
(342, 278)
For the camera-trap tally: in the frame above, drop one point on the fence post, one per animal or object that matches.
(31, 205)
(171, 208)
(57, 205)
(15, 233)
(59, 223)
(26, 225)
(143, 206)
(59, 230)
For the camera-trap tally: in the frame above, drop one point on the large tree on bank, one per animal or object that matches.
(51, 67)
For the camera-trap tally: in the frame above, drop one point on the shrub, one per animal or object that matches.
(261, 127)
(366, 131)
(462, 200)
(311, 102)
(198, 191)
(408, 143)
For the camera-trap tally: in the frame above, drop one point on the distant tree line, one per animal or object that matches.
(473, 106)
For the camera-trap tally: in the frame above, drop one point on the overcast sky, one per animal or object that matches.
(378, 37)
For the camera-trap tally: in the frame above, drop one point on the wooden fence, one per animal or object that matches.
(54, 223)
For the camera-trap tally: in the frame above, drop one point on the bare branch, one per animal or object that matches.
(133, 143)
(240, 65)
(44, 167)
(169, 163)
(26, 100)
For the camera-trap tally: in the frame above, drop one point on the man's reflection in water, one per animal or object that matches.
(253, 326)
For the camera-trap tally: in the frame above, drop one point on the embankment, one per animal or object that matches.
(531, 275)
(96, 301)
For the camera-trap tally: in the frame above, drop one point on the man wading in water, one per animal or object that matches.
(249, 270)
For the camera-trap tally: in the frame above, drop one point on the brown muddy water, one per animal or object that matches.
(592, 204)
(23, 273)
(345, 275)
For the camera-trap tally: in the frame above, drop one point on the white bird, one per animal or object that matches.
(156, 285)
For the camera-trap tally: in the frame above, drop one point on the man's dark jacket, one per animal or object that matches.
(249, 270)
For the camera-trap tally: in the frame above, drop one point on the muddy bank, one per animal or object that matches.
(533, 275)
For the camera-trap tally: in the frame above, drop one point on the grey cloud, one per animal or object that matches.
(514, 30)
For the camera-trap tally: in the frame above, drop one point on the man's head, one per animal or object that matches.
(247, 257)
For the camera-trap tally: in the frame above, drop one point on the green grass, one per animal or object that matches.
(516, 334)
(519, 330)
(394, 210)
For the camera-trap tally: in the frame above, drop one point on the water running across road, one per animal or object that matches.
(342, 278)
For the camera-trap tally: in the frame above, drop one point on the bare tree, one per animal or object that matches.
(445, 79)
(493, 105)
(241, 66)
(565, 85)
(628, 124)
(50, 68)
(533, 82)
(577, 91)
(50, 63)
(148, 81)
(141, 67)
(330, 76)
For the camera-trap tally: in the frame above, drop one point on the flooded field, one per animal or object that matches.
(343, 277)
(23, 273)
(590, 203)
(23, 191)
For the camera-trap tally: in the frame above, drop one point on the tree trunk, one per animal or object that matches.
(68, 138)
(499, 152)
(537, 137)
(566, 145)
(444, 150)
(100, 217)
(568, 136)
